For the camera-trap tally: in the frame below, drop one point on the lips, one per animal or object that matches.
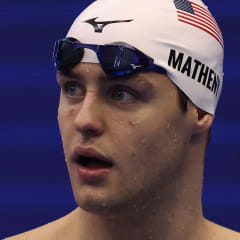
(91, 158)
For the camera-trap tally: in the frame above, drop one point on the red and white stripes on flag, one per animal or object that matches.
(198, 16)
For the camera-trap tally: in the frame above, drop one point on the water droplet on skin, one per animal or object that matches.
(182, 228)
(154, 211)
(168, 125)
(184, 207)
(190, 208)
(170, 219)
(133, 123)
(144, 141)
(104, 204)
(129, 133)
(135, 178)
(174, 138)
(135, 208)
(133, 154)
(157, 197)
(26, 236)
(157, 145)
(185, 190)
(112, 218)
(178, 196)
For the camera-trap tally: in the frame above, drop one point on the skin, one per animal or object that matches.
(151, 150)
(154, 189)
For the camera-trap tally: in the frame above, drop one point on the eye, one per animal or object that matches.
(72, 89)
(120, 93)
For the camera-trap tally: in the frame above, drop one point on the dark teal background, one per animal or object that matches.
(34, 183)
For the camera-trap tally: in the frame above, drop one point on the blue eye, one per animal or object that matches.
(72, 89)
(121, 92)
(117, 92)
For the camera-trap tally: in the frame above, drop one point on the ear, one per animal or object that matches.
(203, 122)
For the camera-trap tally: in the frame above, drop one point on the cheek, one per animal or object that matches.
(145, 153)
(157, 146)
(65, 122)
(65, 115)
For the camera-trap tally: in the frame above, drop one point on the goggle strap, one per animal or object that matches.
(157, 68)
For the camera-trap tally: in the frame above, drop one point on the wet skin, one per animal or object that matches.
(138, 123)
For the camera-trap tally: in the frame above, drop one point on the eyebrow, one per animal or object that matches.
(134, 78)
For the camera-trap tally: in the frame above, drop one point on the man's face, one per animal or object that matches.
(136, 121)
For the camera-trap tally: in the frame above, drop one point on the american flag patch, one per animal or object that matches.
(199, 17)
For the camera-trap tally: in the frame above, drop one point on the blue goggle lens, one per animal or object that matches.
(115, 59)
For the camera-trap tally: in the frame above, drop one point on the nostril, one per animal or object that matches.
(90, 132)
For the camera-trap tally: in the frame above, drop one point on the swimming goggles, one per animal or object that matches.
(116, 59)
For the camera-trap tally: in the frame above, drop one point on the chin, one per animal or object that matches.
(99, 202)
(106, 206)
(97, 207)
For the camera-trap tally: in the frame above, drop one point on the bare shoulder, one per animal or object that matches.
(20, 236)
(229, 234)
(218, 232)
(43, 232)
(49, 231)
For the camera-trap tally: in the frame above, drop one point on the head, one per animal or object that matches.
(159, 122)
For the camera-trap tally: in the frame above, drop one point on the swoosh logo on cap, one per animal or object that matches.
(98, 26)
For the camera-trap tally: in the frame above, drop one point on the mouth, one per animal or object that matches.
(93, 163)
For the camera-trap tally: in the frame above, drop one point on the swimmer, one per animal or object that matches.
(136, 159)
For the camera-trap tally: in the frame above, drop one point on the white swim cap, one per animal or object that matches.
(180, 35)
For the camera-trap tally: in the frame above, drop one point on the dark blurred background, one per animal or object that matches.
(34, 183)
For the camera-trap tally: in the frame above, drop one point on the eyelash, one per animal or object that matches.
(116, 88)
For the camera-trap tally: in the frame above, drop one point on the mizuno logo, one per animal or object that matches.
(98, 26)
(135, 66)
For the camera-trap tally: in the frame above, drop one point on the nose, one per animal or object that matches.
(89, 118)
